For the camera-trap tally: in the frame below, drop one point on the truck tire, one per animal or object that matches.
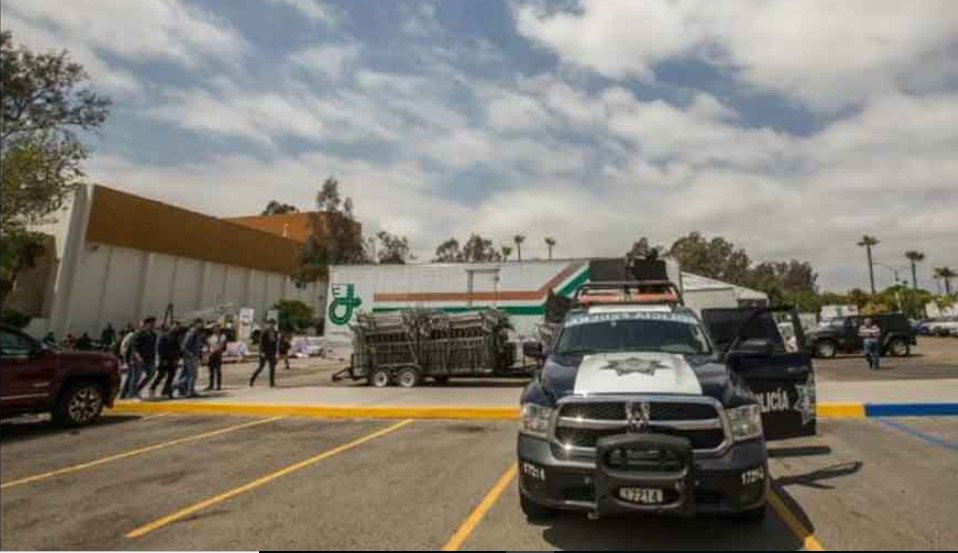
(79, 404)
(826, 349)
(379, 378)
(409, 377)
(533, 510)
(899, 347)
(751, 516)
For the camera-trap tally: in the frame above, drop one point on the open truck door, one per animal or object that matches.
(766, 349)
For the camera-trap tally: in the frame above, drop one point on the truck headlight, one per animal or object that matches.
(534, 419)
(745, 422)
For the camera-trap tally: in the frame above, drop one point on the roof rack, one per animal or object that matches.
(629, 292)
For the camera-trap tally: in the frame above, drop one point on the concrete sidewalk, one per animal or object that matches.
(835, 399)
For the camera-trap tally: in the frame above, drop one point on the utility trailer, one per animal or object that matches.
(406, 346)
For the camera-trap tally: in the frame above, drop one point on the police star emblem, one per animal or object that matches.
(632, 365)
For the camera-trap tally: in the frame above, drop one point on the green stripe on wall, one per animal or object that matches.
(574, 284)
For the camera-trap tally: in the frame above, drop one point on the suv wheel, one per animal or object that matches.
(380, 378)
(899, 348)
(80, 404)
(409, 377)
(826, 349)
(534, 510)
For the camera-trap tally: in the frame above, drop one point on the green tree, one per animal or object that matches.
(279, 208)
(294, 315)
(868, 242)
(448, 252)
(506, 252)
(479, 250)
(45, 102)
(716, 258)
(519, 239)
(946, 274)
(550, 243)
(914, 257)
(393, 249)
(335, 236)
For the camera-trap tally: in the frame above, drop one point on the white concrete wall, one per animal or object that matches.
(120, 285)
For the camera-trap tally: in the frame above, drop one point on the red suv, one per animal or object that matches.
(72, 386)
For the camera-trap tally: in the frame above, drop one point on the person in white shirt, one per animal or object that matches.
(871, 340)
(216, 345)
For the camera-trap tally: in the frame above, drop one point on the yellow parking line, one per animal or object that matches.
(469, 525)
(183, 513)
(131, 453)
(795, 525)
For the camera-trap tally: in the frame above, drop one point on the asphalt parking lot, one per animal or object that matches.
(180, 482)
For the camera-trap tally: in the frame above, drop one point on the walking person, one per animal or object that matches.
(216, 345)
(168, 349)
(268, 348)
(191, 347)
(285, 344)
(139, 352)
(871, 339)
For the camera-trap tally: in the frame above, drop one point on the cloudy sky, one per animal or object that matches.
(791, 128)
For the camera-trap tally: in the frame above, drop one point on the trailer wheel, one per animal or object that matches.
(409, 377)
(379, 378)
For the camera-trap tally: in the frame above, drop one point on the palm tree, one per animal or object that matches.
(550, 242)
(519, 239)
(867, 242)
(506, 252)
(946, 274)
(914, 257)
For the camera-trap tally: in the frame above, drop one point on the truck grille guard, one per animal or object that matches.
(642, 403)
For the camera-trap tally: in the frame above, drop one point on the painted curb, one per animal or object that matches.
(825, 410)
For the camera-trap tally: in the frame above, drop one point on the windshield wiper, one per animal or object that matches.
(579, 351)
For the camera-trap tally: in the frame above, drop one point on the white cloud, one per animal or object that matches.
(313, 10)
(104, 77)
(824, 54)
(144, 29)
(331, 60)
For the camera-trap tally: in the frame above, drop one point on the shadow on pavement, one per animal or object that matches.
(23, 429)
(815, 478)
(576, 532)
(800, 451)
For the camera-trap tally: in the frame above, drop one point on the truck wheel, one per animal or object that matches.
(80, 404)
(441, 380)
(534, 510)
(409, 377)
(825, 349)
(379, 378)
(899, 348)
(751, 516)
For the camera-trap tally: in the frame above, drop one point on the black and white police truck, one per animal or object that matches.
(643, 406)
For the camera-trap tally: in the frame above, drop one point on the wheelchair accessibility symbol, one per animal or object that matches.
(344, 302)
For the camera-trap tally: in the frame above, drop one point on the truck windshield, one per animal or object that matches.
(683, 335)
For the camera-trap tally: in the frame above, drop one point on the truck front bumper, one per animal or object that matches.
(733, 482)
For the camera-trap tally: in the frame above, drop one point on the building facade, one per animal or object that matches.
(117, 258)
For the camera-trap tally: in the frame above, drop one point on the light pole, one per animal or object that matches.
(896, 283)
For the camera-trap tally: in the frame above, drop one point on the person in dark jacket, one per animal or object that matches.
(84, 342)
(192, 349)
(142, 358)
(268, 350)
(216, 345)
(107, 337)
(168, 349)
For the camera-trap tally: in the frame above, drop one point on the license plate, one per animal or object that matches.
(642, 496)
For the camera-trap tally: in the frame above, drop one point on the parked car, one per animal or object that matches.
(840, 335)
(73, 386)
(943, 326)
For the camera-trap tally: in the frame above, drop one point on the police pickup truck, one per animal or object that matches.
(642, 406)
